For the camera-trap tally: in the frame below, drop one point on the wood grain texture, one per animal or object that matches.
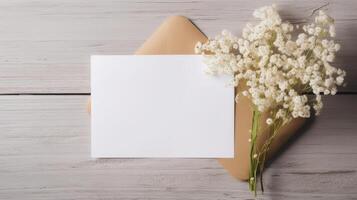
(45, 45)
(45, 143)
(45, 139)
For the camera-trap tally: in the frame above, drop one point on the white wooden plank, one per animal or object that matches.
(45, 143)
(45, 45)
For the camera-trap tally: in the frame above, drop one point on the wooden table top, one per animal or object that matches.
(44, 87)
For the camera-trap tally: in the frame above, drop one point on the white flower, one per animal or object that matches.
(277, 68)
(332, 31)
(269, 121)
(337, 47)
(236, 98)
(198, 47)
(339, 80)
(330, 58)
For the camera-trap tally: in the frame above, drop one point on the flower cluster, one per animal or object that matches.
(278, 69)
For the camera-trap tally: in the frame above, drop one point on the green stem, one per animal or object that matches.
(254, 162)
(274, 130)
(261, 171)
(257, 163)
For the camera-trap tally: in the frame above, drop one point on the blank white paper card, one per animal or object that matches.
(159, 106)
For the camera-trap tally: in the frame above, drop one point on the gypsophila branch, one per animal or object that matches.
(278, 70)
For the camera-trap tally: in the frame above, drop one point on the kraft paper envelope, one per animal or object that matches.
(177, 35)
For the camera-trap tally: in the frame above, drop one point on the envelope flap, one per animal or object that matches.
(176, 35)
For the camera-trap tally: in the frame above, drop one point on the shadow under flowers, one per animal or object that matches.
(273, 186)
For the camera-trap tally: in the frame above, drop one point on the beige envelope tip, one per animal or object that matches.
(176, 35)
